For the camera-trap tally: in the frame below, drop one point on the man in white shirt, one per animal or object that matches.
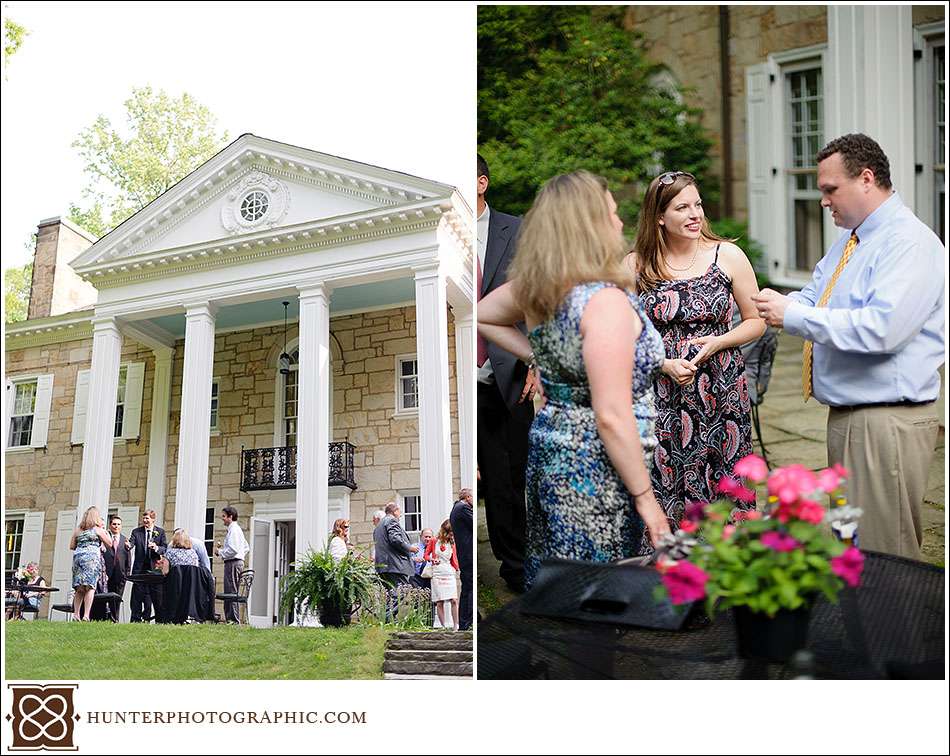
(233, 551)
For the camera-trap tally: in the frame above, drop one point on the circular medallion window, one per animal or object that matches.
(254, 206)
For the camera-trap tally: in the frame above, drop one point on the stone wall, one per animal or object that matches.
(685, 39)
(48, 480)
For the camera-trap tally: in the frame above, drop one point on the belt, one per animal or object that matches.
(905, 403)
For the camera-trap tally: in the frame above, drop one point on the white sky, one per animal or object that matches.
(391, 84)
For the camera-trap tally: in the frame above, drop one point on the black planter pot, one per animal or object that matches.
(773, 639)
(333, 616)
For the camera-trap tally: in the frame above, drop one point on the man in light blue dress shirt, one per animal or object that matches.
(878, 341)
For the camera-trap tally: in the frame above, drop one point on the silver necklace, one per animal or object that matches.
(691, 262)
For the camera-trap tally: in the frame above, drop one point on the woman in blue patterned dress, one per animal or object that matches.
(589, 495)
(688, 278)
(86, 540)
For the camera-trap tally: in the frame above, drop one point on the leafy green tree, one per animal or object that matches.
(563, 88)
(16, 292)
(13, 36)
(166, 139)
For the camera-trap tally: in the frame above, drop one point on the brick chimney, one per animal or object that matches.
(56, 288)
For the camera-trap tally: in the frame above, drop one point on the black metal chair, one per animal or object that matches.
(245, 581)
(759, 356)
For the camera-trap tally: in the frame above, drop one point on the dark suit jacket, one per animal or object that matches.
(461, 519)
(142, 561)
(117, 560)
(510, 372)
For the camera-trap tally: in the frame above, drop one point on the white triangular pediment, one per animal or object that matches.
(256, 185)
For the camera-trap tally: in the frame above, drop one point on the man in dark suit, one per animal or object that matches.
(149, 544)
(393, 552)
(461, 520)
(505, 410)
(117, 563)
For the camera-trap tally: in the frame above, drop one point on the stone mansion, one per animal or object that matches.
(155, 369)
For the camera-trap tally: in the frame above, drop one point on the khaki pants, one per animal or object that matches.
(887, 451)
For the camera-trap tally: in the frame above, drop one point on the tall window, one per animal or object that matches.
(412, 513)
(940, 148)
(407, 383)
(120, 400)
(803, 90)
(214, 405)
(291, 382)
(12, 546)
(209, 533)
(21, 415)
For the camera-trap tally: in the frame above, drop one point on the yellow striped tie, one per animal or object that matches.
(826, 295)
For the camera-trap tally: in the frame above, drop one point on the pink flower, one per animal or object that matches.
(688, 526)
(735, 489)
(779, 541)
(727, 532)
(841, 470)
(684, 582)
(810, 511)
(829, 481)
(747, 514)
(695, 511)
(752, 468)
(792, 482)
(848, 566)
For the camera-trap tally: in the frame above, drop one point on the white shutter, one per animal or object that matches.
(8, 394)
(44, 399)
(134, 381)
(79, 407)
(759, 163)
(62, 562)
(130, 520)
(31, 545)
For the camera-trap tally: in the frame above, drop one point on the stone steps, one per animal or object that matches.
(428, 655)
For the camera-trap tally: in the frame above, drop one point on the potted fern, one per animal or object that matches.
(336, 587)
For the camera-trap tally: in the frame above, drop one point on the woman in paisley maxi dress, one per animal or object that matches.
(589, 494)
(689, 279)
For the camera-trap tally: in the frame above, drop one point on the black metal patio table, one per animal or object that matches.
(891, 626)
(25, 588)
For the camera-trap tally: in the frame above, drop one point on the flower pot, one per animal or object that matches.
(334, 616)
(773, 639)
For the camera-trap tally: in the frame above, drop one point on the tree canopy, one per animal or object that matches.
(16, 292)
(166, 138)
(567, 87)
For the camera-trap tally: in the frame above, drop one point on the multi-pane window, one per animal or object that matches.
(290, 400)
(21, 415)
(940, 148)
(12, 546)
(209, 533)
(407, 383)
(120, 400)
(803, 89)
(412, 513)
(254, 206)
(214, 405)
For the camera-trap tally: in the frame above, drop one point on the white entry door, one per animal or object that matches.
(260, 605)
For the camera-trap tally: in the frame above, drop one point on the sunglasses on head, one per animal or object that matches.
(665, 179)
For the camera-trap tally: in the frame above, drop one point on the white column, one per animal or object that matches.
(432, 353)
(465, 390)
(313, 406)
(99, 439)
(194, 435)
(869, 75)
(158, 433)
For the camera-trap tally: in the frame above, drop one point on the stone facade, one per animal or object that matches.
(245, 365)
(56, 288)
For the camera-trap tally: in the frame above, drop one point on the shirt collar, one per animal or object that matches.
(880, 216)
(483, 218)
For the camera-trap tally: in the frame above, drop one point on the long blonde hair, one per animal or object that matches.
(90, 519)
(651, 245)
(567, 238)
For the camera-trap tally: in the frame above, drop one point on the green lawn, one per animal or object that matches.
(43, 650)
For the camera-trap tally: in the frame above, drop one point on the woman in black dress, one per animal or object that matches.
(689, 280)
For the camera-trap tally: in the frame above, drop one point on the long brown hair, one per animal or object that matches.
(445, 532)
(90, 518)
(651, 245)
(567, 238)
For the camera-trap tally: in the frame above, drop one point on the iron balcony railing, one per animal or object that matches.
(276, 467)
